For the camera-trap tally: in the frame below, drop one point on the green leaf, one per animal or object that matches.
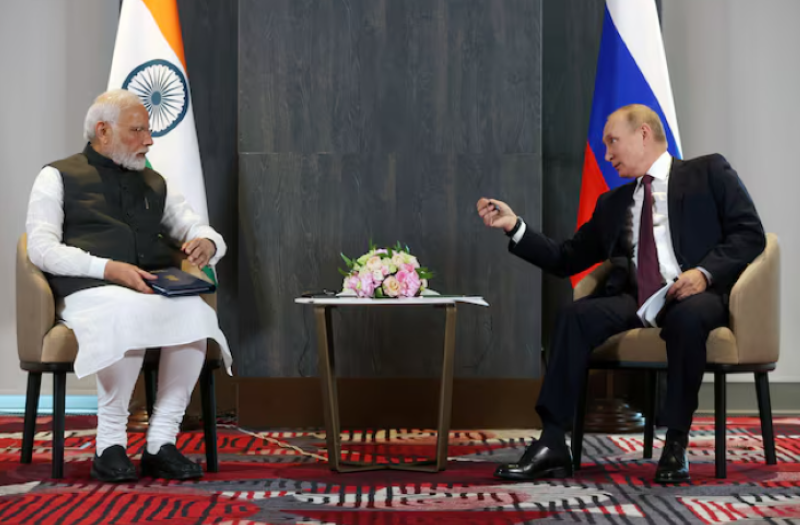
(371, 245)
(391, 253)
(350, 262)
(407, 249)
(379, 293)
(346, 274)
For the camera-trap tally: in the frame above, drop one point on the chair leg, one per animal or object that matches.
(720, 416)
(578, 424)
(765, 413)
(209, 402)
(59, 409)
(150, 388)
(31, 410)
(650, 412)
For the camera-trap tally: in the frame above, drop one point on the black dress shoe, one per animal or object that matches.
(113, 466)
(169, 463)
(539, 461)
(673, 467)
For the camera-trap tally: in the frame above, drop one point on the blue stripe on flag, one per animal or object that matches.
(619, 82)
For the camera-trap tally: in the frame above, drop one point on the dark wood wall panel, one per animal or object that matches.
(571, 41)
(210, 43)
(389, 75)
(387, 120)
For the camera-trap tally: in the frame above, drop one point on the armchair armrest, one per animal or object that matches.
(36, 312)
(180, 261)
(592, 281)
(755, 307)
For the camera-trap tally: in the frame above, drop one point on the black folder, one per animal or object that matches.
(172, 282)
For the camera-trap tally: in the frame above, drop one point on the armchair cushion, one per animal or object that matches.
(60, 345)
(644, 345)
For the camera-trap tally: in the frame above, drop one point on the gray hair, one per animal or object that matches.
(106, 108)
(638, 114)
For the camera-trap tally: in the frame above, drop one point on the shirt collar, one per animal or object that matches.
(659, 169)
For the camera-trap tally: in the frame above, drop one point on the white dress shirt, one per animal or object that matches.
(667, 262)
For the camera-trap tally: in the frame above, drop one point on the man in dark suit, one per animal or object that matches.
(691, 222)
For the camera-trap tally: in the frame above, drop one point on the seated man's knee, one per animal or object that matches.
(688, 318)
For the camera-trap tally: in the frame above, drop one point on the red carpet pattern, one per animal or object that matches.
(282, 477)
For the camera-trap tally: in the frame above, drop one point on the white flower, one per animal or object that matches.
(398, 259)
(374, 263)
(391, 287)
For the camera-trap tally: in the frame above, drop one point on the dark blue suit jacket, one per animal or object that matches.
(713, 224)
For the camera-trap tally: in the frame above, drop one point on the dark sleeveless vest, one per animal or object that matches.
(111, 212)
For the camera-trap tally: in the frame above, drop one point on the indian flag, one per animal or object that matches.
(149, 61)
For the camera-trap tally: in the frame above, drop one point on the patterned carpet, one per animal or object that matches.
(281, 477)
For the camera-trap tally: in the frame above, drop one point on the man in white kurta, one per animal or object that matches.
(106, 302)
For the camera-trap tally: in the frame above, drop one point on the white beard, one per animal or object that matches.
(127, 160)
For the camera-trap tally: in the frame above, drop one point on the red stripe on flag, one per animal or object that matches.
(592, 186)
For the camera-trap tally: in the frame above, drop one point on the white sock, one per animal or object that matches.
(115, 386)
(178, 370)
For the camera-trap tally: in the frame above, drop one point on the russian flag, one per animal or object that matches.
(631, 69)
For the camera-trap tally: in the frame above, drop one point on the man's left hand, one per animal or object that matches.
(689, 283)
(199, 251)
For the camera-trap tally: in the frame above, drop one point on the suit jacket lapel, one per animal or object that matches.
(675, 193)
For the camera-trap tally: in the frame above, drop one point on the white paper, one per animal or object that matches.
(653, 305)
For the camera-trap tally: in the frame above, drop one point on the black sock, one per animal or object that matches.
(552, 435)
(681, 436)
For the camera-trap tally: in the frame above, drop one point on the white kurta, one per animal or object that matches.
(110, 320)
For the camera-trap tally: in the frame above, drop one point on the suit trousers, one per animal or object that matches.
(585, 324)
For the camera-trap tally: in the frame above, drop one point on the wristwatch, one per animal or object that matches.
(516, 227)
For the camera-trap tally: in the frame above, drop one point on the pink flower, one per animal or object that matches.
(367, 286)
(351, 283)
(407, 267)
(409, 282)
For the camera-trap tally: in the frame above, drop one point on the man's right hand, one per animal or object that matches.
(496, 214)
(128, 275)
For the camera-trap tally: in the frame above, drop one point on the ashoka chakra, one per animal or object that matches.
(162, 88)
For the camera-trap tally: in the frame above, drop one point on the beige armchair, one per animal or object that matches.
(46, 346)
(750, 345)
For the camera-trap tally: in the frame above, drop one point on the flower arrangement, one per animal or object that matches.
(385, 273)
